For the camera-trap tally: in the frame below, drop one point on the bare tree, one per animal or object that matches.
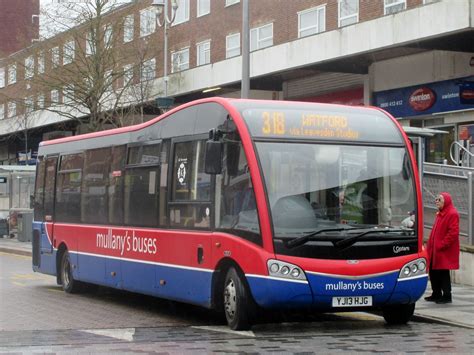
(87, 81)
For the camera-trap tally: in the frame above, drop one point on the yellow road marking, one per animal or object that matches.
(16, 255)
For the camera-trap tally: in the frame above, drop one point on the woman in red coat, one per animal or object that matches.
(443, 249)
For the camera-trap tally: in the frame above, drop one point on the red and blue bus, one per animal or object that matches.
(238, 205)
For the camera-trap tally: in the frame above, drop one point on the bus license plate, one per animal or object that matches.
(352, 301)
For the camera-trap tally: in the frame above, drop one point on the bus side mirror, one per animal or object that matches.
(213, 160)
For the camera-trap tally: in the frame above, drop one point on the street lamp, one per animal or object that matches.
(162, 8)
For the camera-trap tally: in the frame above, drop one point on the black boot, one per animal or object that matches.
(433, 298)
(444, 299)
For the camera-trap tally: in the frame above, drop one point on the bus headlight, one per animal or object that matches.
(413, 268)
(281, 269)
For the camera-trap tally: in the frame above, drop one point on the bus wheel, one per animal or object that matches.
(237, 301)
(399, 314)
(67, 280)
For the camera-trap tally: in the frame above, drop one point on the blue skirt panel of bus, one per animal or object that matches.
(279, 293)
(409, 290)
(166, 281)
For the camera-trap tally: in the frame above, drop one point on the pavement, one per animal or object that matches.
(459, 313)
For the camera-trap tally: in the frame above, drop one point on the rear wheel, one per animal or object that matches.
(238, 303)
(399, 314)
(67, 280)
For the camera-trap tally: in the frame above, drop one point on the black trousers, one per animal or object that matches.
(440, 281)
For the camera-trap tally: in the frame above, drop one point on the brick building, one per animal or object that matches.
(376, 52)
(18, 26)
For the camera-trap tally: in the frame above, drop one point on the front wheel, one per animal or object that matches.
(238, 303)
(67, 280)
(399, 314)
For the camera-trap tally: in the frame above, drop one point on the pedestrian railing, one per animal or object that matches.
(458, 181)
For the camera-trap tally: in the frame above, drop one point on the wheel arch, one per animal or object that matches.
(218, 280)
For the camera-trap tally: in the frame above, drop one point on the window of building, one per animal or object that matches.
(68, 189)
(311, 21)
(55, 56)
(29, 104)
(29, 67)
(2, 77)
(182, 13)
(94, 186)
(190, 193)
(148, 71)
(12, 74)
(40, 62)
(147, 21)
(203, 52)
(261, 37)
(232, 45)
(108, 35)
(90, 43)
(128, 27)
(203, 7)
(231, 2)
(68, 52)
(68, 94)
(180, 60)
(141, 187)
(127, 74)
(2, 110)
(40, 101)
(54, 97)
(394, 6)
(11, 109)
(348, 12)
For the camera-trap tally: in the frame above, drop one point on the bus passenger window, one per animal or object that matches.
(141, 187)
(94, 186)
(68, 189)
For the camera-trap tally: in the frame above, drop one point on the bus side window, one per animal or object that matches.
(94, 207)
(141, 186)
(116, 182)
(49, 183)
(68, 188)
(39, 190)
(190, 194)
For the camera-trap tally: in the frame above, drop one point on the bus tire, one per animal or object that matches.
(67, 280)
(399, 314)
(237, 301)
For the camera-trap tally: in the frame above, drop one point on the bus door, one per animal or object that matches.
(43, 257)
(47, 234)
(189, 209)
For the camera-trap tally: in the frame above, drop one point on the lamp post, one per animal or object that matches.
(162, 8)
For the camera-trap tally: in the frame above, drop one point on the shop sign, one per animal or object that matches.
(441, 96)
(422, 99)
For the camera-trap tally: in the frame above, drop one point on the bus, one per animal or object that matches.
(240, 206)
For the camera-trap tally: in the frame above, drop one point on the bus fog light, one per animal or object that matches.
(295, 272)
(285, 270)
(406, 270)
(274, 268)
(414, 268)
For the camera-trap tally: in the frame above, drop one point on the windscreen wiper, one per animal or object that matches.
(347, 242)
(305, 238)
